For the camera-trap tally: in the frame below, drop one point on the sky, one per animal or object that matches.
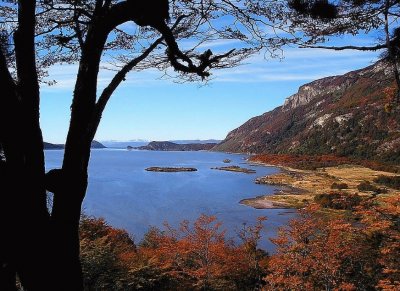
(149, 108)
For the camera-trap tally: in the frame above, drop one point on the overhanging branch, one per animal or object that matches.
(115, 82)
(181, 61)
(347, 47)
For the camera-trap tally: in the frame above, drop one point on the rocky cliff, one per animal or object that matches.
(342, 115)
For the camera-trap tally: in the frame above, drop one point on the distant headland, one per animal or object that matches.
(52, 146)
(171, 146)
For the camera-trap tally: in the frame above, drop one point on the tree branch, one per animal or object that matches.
(175, 55)
(115, 82)
(347, 47)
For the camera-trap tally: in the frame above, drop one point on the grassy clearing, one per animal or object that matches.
(303, 185)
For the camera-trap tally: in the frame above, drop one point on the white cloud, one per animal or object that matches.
(297, 65)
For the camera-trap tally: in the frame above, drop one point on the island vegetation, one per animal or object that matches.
(235, 169)
(171, 169)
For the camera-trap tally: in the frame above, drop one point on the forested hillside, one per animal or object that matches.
(345, 115)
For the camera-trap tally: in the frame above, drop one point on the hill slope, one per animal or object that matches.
(341, 115)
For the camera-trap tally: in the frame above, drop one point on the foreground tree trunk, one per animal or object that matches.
(72, 178)
(24, 213)
(43, 249)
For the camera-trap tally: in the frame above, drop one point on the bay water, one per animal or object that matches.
(129, 197)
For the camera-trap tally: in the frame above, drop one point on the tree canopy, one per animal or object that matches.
(124, 36)
(129, 35)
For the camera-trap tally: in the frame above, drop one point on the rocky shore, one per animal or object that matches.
(235, 169)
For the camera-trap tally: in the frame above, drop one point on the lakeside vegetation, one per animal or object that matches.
(303, 178)
(313, 162)
(355, 249)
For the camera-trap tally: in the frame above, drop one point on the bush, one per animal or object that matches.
(338, 200)
(339, 186)
(367, 186)
(392, 182)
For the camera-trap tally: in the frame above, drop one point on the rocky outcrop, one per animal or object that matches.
(341, 115)
(335, 84)
(235, 169)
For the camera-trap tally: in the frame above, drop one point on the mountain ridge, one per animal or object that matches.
(342, 115)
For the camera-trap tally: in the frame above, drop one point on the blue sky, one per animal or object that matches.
(147, 107)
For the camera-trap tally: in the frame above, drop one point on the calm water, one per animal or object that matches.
(127, 196)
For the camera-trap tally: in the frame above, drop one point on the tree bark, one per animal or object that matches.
(70, 192)
(27, 217)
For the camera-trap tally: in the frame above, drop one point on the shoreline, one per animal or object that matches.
(296, 187)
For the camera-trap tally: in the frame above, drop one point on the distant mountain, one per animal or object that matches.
(51, 146)
(341, 115)
(139, 143)
(97, 145)
(170, 146)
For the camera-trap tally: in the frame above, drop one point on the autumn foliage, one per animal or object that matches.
(354, 248)
(194, 256)
(347, 251)
(315, 253)
(312, 162)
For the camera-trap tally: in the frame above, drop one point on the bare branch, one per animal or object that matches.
(117, 79)
(347, 47)
(175, 55)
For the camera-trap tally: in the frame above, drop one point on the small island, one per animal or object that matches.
(171, 169)
(227, 161)
(235, 169)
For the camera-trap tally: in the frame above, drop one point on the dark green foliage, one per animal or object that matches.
(314, 8)
(338, 200)
(339, 186)
(392, 182)
(102, 253)
(367, 186)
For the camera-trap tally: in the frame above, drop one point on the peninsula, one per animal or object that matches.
(235, 169)
(171, 146)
